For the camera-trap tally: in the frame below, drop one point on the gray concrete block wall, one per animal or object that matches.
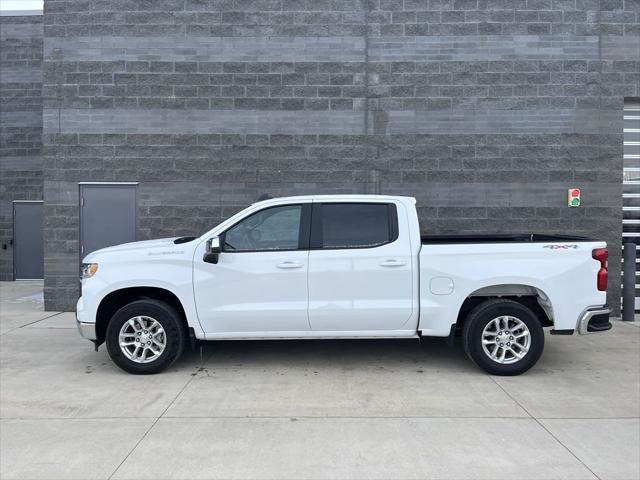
(21, 50)
(486, 110)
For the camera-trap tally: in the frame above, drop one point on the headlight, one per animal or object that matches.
(89, 270)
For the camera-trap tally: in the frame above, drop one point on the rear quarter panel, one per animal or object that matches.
(564, 271)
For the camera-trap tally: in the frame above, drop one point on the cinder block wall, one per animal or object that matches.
(486, 110)
(20, 122)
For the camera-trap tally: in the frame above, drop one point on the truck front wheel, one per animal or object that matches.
(145, 336)
(503, 337)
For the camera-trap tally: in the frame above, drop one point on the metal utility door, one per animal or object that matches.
(107, 216)
(28, 252)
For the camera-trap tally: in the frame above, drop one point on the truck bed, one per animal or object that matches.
(501, 238)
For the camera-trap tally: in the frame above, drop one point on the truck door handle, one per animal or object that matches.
(393, 263)
(289, 265)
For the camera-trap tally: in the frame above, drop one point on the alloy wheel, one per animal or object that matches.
(506, 339)
(142, 339)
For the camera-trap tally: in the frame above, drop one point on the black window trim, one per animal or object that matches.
(316, 239)
(304, 231)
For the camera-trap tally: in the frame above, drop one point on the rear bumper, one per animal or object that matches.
(594, 320)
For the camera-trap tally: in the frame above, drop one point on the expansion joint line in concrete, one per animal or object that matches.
(543, 427)
(31, 323)
(144, 435)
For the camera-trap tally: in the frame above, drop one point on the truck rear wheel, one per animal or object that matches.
(145, 336)
(503, 337)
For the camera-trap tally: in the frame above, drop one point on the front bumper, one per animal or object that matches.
(87, 330)
(84, 321)
(594, 320)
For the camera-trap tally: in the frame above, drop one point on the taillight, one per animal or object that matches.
(601, 255)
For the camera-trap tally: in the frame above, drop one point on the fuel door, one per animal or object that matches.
(441, 285)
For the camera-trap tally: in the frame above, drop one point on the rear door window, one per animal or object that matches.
(353, 225)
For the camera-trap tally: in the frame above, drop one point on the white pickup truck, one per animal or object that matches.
(341, 266)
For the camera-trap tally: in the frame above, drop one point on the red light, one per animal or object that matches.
(602, 255)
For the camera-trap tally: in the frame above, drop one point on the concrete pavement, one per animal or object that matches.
(315, 409)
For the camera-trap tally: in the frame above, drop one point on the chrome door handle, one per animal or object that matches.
(392, 263)
(289, 265)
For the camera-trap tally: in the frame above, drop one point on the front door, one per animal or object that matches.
(28, 248)
(360, 268)
(260, 281)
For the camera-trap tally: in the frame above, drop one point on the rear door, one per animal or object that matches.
(360, 269)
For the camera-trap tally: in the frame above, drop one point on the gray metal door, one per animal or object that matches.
(28, 253)
(107, 216)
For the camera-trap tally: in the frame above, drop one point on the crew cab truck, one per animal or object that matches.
(341, 266)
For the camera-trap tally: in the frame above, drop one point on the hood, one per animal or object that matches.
(162, 245)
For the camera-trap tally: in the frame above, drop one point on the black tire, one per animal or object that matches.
(174, 333)
(481, 316)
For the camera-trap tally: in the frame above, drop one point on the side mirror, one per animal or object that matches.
(212, 250)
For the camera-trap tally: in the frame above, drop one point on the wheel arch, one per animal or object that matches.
(528, 295)
(115, 300)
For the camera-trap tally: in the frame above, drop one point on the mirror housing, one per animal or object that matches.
(212, 250)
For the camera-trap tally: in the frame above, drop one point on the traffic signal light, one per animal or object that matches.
(574, 197)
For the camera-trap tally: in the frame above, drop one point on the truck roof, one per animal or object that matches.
(334, 197)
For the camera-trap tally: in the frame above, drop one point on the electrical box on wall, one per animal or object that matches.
(573, 197)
